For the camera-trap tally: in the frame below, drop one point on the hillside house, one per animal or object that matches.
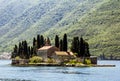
(62, 56)
(46, 52)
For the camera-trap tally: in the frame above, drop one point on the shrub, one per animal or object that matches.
(49, 60)
(74, 61)
(87, 61)
(17, 58)
(35, 59)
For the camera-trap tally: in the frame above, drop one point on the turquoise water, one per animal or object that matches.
(12, 73)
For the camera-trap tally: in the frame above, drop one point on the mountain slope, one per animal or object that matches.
(102, 28)
(97, 20)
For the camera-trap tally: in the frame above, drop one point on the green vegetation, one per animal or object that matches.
(65, 43)
(50, 60)
(80, 46)
(88, 61)
(97, 20)
(36, 59)
(74, 62)
(24, 51)
(17, 58)
(57, 41)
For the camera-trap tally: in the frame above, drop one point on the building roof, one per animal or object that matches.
(63, 53)
(45, 47)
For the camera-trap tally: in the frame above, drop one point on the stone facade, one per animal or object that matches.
(62, 56)
(46, 52)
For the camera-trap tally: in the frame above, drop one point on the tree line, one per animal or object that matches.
(80, 46)
(24, 51)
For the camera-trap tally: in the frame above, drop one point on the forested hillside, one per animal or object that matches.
(96, 20)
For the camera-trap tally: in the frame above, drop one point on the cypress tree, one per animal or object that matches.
(34, 46)
(65, 42)
(20, 50)
(25, 49)
(87, 53)
(15, 52)
(48, 43)
(82, 48)
(31, 52)
(34, 51)
(61, 45)
(34, 41)
(42, 42)
(75, 45)
(38, 41)
(57, 41)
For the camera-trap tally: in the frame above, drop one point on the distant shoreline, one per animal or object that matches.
(5, 56)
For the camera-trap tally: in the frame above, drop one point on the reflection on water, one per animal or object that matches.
(12, 73)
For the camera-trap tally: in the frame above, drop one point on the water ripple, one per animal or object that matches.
(1, 79)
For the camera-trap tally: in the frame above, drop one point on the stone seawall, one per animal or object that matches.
(19, 62)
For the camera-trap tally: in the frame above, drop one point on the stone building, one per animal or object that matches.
(46, 52)
(62, 56)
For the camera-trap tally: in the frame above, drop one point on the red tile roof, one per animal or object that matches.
(45, 47)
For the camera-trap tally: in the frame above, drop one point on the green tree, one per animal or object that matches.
(47, 42)
(42, 41)
(31, 51)
(61, 45)
(19, 49)
(57, 41)
(34, 41)
(38, 41)
(75, 46)
(34, 46)
(15, 52)
(87, 53)
(82, 48)
(65, 43)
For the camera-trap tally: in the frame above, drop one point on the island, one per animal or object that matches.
(43, 53)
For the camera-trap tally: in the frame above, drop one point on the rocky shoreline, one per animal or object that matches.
(60, 65)
(70, 65)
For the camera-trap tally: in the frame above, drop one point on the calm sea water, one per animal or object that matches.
(12, 73)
